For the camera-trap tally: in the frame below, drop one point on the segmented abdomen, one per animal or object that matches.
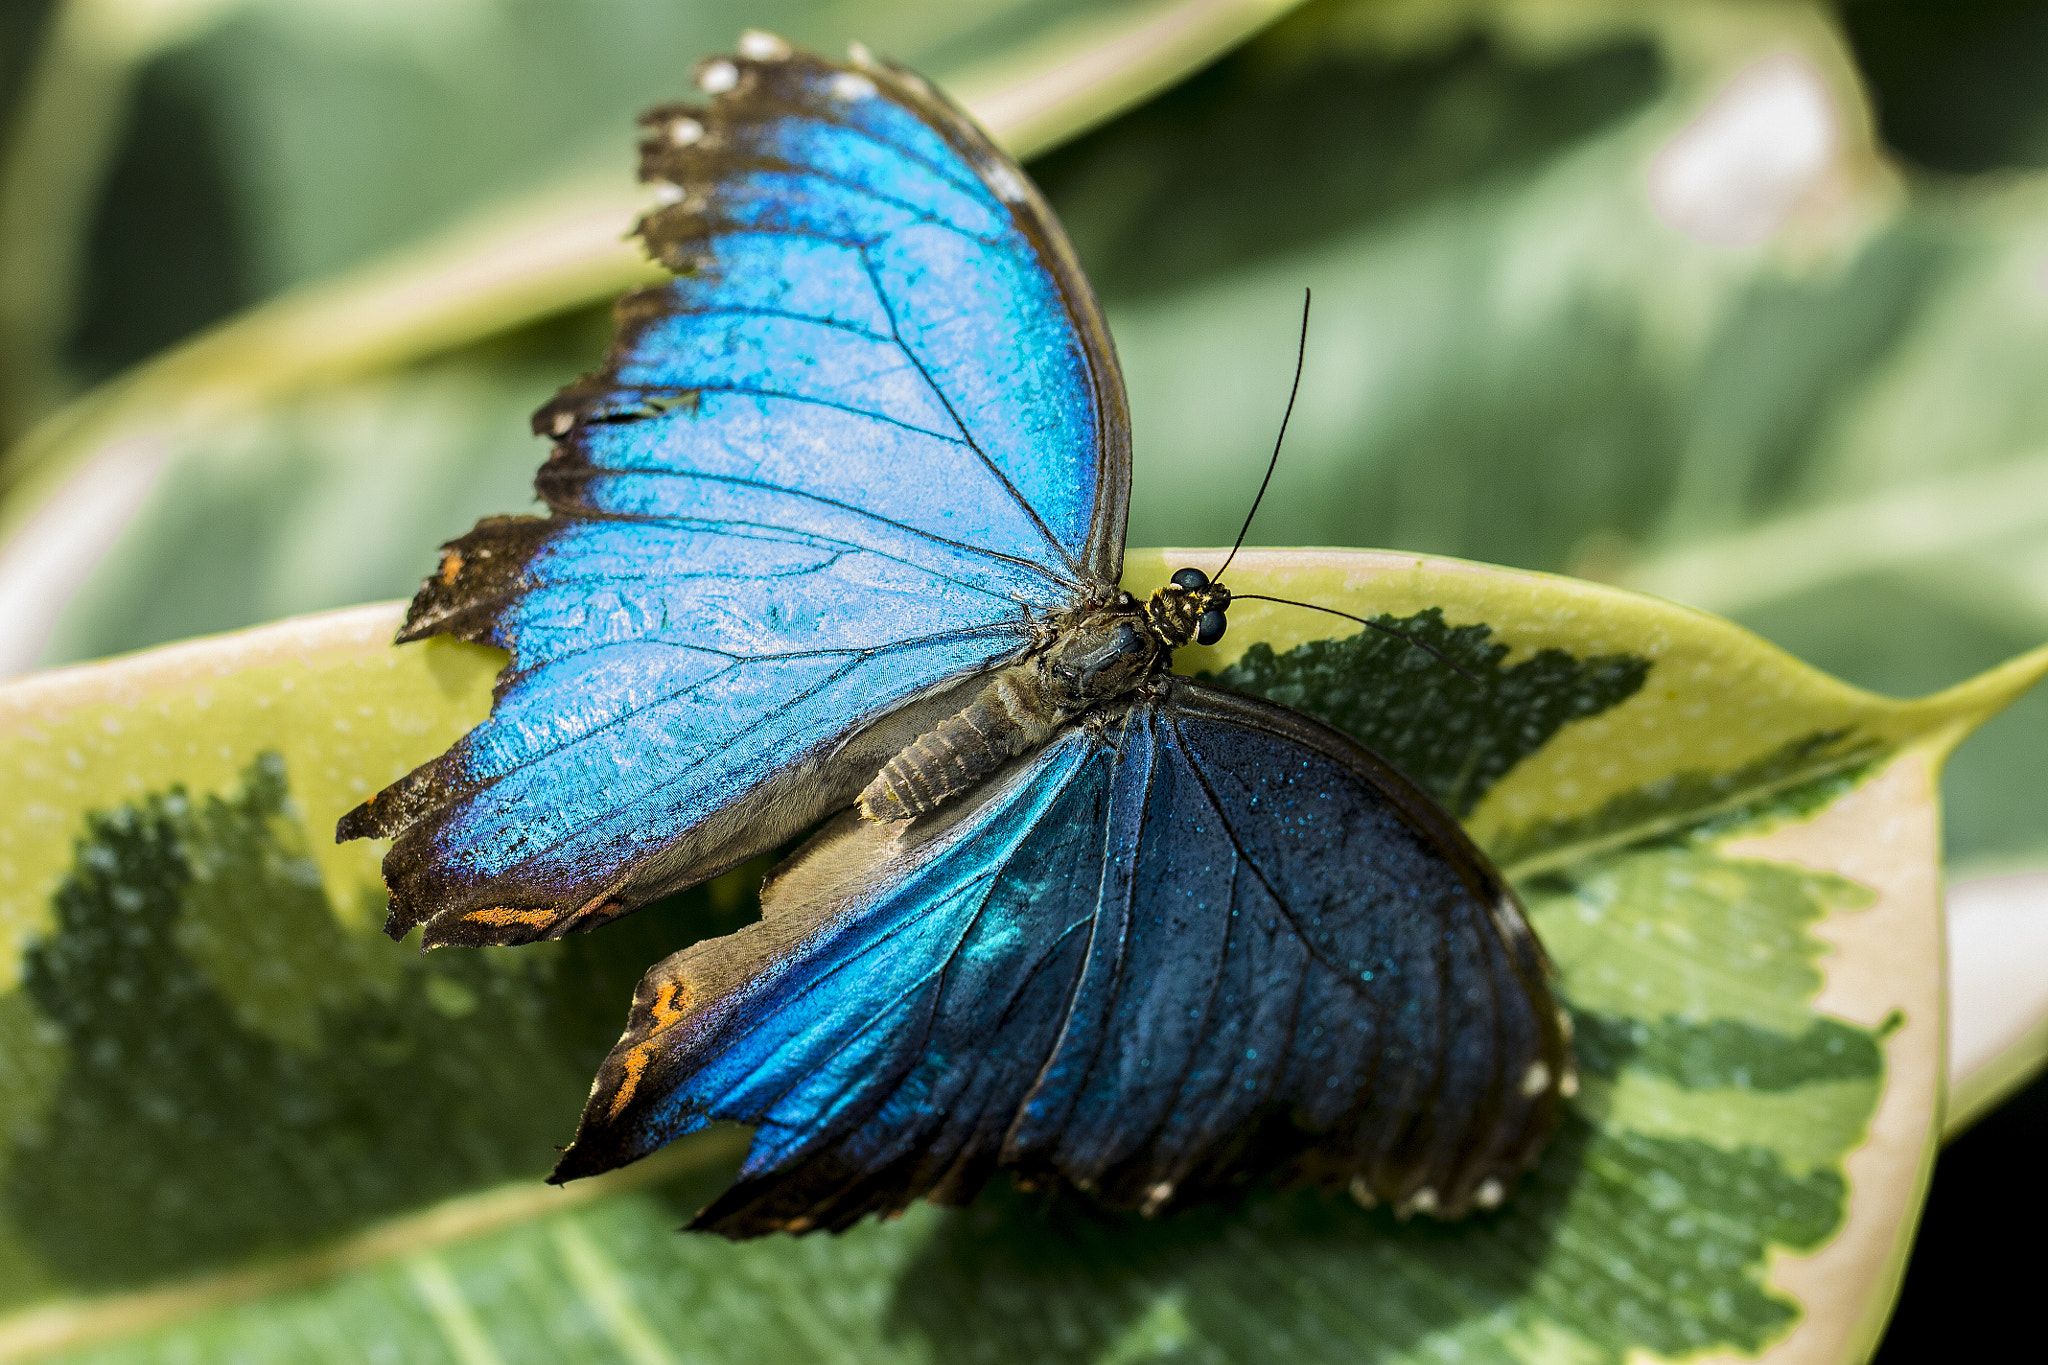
(1006, 718)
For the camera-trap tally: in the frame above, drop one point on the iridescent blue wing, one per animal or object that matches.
(870, 436)
(1207, 940)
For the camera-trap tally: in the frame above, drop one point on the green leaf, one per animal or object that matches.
(395, 180)
(345, 1143)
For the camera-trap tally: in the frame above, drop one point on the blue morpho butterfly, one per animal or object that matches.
(835, 535)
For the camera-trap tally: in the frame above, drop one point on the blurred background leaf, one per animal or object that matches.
(1747, 305)
(250, 146)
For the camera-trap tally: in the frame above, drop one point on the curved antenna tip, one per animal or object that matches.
(1300, 355)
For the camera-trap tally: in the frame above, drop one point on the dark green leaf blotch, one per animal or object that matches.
(238, 1073)
(1453, 735)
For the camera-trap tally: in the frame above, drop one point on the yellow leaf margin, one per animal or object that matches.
(349, 712)
(1717, 698)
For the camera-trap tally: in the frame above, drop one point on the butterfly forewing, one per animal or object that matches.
(869, 437)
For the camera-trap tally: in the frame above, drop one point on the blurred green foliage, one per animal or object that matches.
(1961, 88)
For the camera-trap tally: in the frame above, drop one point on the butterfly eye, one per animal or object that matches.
(1194, 580)
(1128, 641)
(1209, 629)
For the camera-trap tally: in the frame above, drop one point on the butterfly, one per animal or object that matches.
(833, 542)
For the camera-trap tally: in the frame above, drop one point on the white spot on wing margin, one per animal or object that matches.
(1006, 181)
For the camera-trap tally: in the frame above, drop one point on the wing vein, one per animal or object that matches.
(787, 314)
(829, 120)
(858, 653)
(798, 170)
(753, 391)
(895, 327)
(1279, 901)
(837, 551)
(597, 514)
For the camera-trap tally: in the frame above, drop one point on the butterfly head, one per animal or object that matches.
(1190, 607)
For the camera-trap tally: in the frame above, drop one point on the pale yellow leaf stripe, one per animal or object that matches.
(604, 1287)
(563, 246)
(457, 1321)
(412, 1240)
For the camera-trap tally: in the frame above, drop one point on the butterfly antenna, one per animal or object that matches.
(1300, 354)
(1446, 660)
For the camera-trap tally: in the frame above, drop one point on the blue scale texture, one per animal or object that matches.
(1135, 964)
(857, 454)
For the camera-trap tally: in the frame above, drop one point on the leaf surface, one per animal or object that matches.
(344, 1144)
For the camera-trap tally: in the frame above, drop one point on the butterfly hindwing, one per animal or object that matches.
(1205, 940)
(933, 977)
(868, 445)
(869, 436)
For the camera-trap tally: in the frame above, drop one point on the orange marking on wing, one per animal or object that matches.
(635, 1064)
(535, 917)
(597, 909)
(671, 1003)
(451, 567)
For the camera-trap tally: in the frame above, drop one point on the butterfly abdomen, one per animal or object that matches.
(1091, 657)
(1010, 716)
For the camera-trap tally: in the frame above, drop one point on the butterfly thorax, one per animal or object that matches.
(1085, 658)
